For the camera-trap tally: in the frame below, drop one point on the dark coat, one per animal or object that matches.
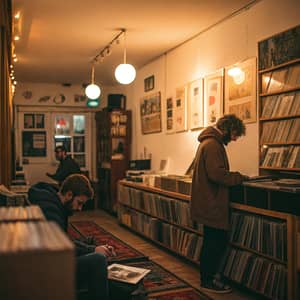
(45, 196)
(211, 180)
(66, 167)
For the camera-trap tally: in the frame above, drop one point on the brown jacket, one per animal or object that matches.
(211, 179)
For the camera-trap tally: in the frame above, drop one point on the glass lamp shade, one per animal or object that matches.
(92, 91)
(125, 73)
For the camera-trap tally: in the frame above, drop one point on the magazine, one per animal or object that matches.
(126, 274)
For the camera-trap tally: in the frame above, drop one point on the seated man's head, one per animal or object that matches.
(75, 191)
(231, 127)
(60, 152)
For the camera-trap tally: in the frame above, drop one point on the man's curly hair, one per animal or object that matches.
(229, 123)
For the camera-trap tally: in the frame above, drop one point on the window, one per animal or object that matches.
(70, 131)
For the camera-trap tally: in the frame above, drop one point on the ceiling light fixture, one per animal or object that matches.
(125, 73)
(93, 91)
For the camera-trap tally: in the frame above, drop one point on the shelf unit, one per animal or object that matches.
(279, 103)
(113, 153)
(149, 211)
(263, 253)
(161, 216)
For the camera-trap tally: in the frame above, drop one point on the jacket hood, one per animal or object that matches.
(41, 188)
(210, 132)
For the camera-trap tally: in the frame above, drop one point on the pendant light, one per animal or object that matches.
(93, 91)
(125, 73)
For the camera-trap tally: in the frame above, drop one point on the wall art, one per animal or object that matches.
(181, 109)
(195, 111)
(213, 97)
(240, 91)
(150, 108)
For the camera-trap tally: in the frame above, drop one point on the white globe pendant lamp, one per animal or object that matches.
(125, 73)
(93, 91)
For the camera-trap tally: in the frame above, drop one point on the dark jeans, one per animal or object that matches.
(91, 272)
(214, 246)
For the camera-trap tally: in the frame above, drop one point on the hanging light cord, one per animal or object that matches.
(93, 73)
(125, 47)
(101, 54)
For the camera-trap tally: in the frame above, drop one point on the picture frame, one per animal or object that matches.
(150, 110)
(195, 113)
(149, 83)
(39, 121)
(169, 109)
(279, 48)
(180, 106)
(240, 91)
(29, 121)
(213, 97)
(34, 143)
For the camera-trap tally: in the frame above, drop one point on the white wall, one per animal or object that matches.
(231, 41)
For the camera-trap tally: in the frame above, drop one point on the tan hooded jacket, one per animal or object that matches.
(211, 179)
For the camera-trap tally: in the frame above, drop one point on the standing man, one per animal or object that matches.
(58, 205)
(67, 165)
(210, 199)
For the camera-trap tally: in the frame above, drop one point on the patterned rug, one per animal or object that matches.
(158, 279)
(123, 251)
(159, 284)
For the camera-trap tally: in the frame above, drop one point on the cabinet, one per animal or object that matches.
(279, 103)
(113, 153)
(263, 251)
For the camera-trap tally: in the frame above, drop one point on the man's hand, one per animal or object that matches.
(105, 250)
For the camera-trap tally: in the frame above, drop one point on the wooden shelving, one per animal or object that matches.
(113, 153)
(279, 103)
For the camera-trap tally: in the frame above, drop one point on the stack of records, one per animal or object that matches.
(35, 259)
(21, 213)
(10, 198)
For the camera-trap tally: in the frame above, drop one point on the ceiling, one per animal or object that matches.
(59, 38)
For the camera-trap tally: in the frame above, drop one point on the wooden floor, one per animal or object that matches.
(182, 269)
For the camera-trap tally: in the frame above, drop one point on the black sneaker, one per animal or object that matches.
(215, 286)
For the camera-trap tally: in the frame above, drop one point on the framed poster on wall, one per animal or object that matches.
(34, 144)
(240, 90)
(150, 108)
(213, 97)
(169, 115)
(181, 109)
(196, 104)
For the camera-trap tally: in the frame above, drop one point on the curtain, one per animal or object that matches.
(6, 148)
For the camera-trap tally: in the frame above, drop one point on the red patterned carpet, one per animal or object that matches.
(90, 229)
(159, 284)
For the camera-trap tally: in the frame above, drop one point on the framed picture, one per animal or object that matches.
(34, 143)
(196, 104)
(181, 109)
(150, 108)
(240, 91)
(149, 83)
(169, 115)
(39, 121)
(29, 121)
(279, 48)
(213, 97)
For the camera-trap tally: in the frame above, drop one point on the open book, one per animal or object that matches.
(126, 274)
